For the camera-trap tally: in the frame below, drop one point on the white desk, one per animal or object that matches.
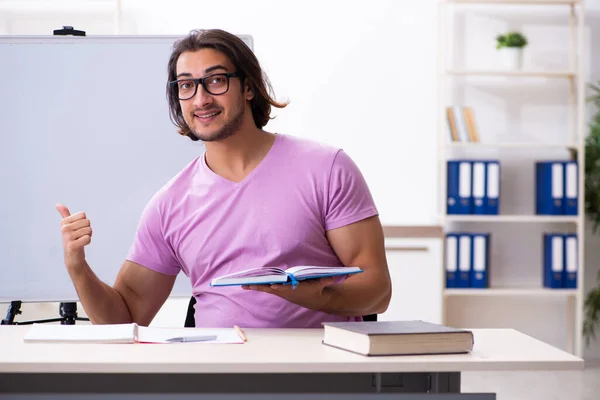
(272, 360)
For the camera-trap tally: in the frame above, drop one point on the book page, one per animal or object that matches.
(109, 333)
(252, 276)
(315, 270)
(255, 272)
(250, 280)
(162, 335)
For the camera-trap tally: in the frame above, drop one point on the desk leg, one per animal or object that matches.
(377, 382)
(444, 382)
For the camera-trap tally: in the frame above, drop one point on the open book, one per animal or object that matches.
(128, 333)
(271, 275)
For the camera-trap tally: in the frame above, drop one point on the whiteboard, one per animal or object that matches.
(84, 122)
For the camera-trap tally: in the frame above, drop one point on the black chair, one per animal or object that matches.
(190, 321)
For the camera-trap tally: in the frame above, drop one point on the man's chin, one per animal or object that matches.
(209, 137)
(223, 132)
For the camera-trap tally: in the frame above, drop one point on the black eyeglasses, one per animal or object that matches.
(214, 84)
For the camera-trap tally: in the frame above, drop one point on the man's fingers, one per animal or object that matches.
(258, 288)
(66, 214)
(63, 210)
(75, 235)
(317, 282)
(73, 218)
(281, 289)
(327, 281)
(73, 226)
(79, 243)
(76, 229)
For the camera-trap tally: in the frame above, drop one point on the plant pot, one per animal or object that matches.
(512, 57)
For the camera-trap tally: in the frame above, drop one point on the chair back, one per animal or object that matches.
(190, 320)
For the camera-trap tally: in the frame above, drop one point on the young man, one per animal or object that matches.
(252, 199)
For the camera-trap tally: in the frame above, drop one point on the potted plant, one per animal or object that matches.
(511, 46)
(592, 209)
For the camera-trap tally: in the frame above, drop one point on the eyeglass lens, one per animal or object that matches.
(213, 84)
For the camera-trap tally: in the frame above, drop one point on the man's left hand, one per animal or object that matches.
(310, 294)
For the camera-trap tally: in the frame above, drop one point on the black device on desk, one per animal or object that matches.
(68, 30)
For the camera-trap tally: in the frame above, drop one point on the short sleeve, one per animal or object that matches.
(149, 247)
(348, 196)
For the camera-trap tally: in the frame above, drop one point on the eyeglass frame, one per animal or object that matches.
(200, 81)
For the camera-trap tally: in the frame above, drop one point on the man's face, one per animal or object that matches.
(211, 117)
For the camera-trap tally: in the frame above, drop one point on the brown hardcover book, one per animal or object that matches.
(471, 127)
(452, 125)
(377, 338)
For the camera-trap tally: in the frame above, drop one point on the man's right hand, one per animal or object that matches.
(76, 234)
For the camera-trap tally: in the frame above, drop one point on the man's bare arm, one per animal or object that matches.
(137, 295)
(360, 244)
(138, 292)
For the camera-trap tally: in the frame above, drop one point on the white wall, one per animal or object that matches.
(359, 36)
(350, 79)
(43, 17)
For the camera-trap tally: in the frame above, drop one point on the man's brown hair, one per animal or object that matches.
(245, 62)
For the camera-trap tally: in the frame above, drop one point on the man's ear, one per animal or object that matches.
(248, 93)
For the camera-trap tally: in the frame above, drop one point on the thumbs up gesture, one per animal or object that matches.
(76, 234)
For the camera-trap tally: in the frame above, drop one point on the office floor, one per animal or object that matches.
(547, 385)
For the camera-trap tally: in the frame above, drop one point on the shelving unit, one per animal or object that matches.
(573, 141)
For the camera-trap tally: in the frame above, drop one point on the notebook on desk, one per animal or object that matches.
(128, 333)
(377, 338)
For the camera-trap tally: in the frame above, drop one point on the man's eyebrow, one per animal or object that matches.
(206, 71)
(214, 67)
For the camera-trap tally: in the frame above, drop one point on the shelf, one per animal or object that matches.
(515, 292)
(521, 74)
(519, 2)
(513, 218)
(512, 145)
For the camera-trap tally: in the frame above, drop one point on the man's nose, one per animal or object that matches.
(202, 97)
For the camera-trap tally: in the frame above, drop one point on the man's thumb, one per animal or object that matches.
(63, 210)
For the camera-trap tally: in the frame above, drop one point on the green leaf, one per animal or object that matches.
(517, 40)
(592, 314)
(511, 39)
(592, 210)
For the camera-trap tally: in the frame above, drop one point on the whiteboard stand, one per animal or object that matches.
(66, 310)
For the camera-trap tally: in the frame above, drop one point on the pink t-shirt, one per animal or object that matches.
(207, 226)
